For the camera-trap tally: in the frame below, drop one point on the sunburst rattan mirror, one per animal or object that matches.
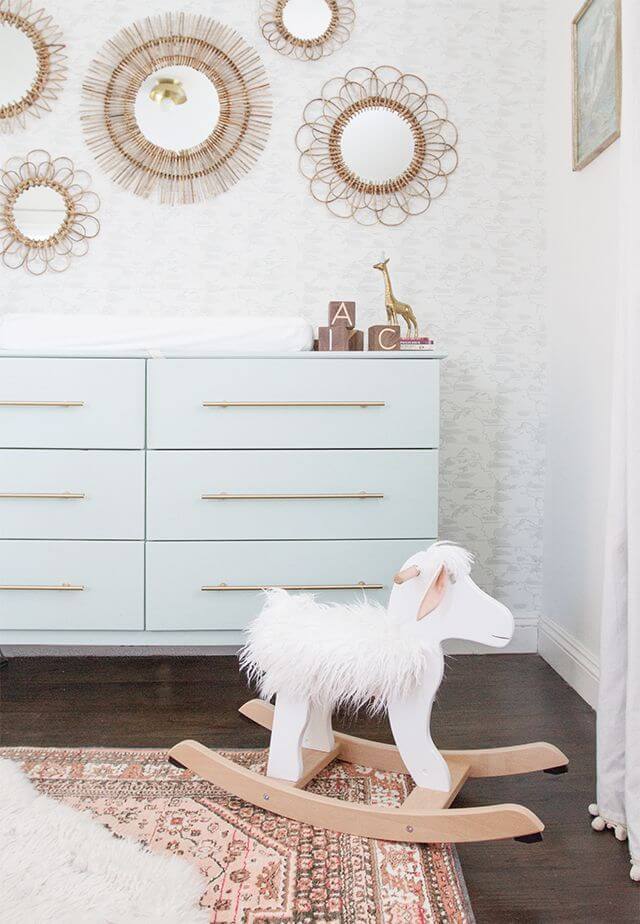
(377, 146)
(307, 29)
(33, 64)
(47, 213)
(177, 106)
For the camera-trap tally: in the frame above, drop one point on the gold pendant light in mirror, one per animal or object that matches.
(32, 68)
(307, 29)
(176, 106)
(168, 91)
(377, 146)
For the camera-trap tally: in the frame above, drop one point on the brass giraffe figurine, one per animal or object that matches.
(393, 306)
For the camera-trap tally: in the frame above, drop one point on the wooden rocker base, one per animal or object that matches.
(424, 817)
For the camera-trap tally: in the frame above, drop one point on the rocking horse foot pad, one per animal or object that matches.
(176, 763)
(529, 838)
(557, 771)
(411, 823)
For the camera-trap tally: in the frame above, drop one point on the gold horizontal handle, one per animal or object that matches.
(361, 585)
(41, 587)
(67, 495)
(361, 495)
(41, 403)
(293, 404)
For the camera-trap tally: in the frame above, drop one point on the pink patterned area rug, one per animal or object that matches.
(257, 867)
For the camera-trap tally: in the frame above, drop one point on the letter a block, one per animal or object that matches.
(384, 337)
(342, 313)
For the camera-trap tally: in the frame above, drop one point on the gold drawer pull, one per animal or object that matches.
(362, 495)
(361, 585)
(67, 495)
(41, 403)
(293, 404)
(41, 587)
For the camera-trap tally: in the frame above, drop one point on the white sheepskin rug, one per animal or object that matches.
(59, 865)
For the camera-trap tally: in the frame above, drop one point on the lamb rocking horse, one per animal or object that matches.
(317, 657)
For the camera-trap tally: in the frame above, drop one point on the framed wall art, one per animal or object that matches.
(597, 79)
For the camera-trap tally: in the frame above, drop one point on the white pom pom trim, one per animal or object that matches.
(599, 824)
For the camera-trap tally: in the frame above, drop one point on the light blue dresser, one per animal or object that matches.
(147, 501)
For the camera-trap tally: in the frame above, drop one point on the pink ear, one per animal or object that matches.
(434, 595)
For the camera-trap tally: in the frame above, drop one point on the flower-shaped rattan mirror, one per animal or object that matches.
(47, 213)
(307, 29)
(377, 146)
(177, 106)
(33, 69)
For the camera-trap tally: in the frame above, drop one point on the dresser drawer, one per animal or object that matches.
(184, 578)
(293, 403)
(71, 585)
(71, 494)
(305, 494)
(72, 403)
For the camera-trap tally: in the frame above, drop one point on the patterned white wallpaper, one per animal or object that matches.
(472, 267)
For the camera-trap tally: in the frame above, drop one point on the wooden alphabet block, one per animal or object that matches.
(384, 337)
(333, 339)
(340, 339)
(356, 342)
(342, 313)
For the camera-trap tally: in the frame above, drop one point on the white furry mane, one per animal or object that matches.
(456, 560)
(342, 655)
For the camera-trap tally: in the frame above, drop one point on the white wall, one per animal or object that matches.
(582, 248)
(473, 267)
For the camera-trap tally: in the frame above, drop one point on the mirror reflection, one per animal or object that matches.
(377, 145)
(306, 19)
(19, 64)
(39, 212)
(177, 108)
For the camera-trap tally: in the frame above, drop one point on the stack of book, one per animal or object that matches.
(416, 343)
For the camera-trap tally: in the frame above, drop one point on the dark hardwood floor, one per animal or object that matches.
(575, 875)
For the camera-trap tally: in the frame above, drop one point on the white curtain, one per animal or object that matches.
(618, 805)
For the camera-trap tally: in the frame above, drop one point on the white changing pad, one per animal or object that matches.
(99, 334)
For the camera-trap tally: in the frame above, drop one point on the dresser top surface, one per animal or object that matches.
(397, 355)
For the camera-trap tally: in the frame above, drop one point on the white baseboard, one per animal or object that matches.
(569, 658)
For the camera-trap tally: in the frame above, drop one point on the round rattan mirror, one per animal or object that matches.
(47, 213)
(307, 29)
(32, 70)
(177, 106)
(377, 146)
